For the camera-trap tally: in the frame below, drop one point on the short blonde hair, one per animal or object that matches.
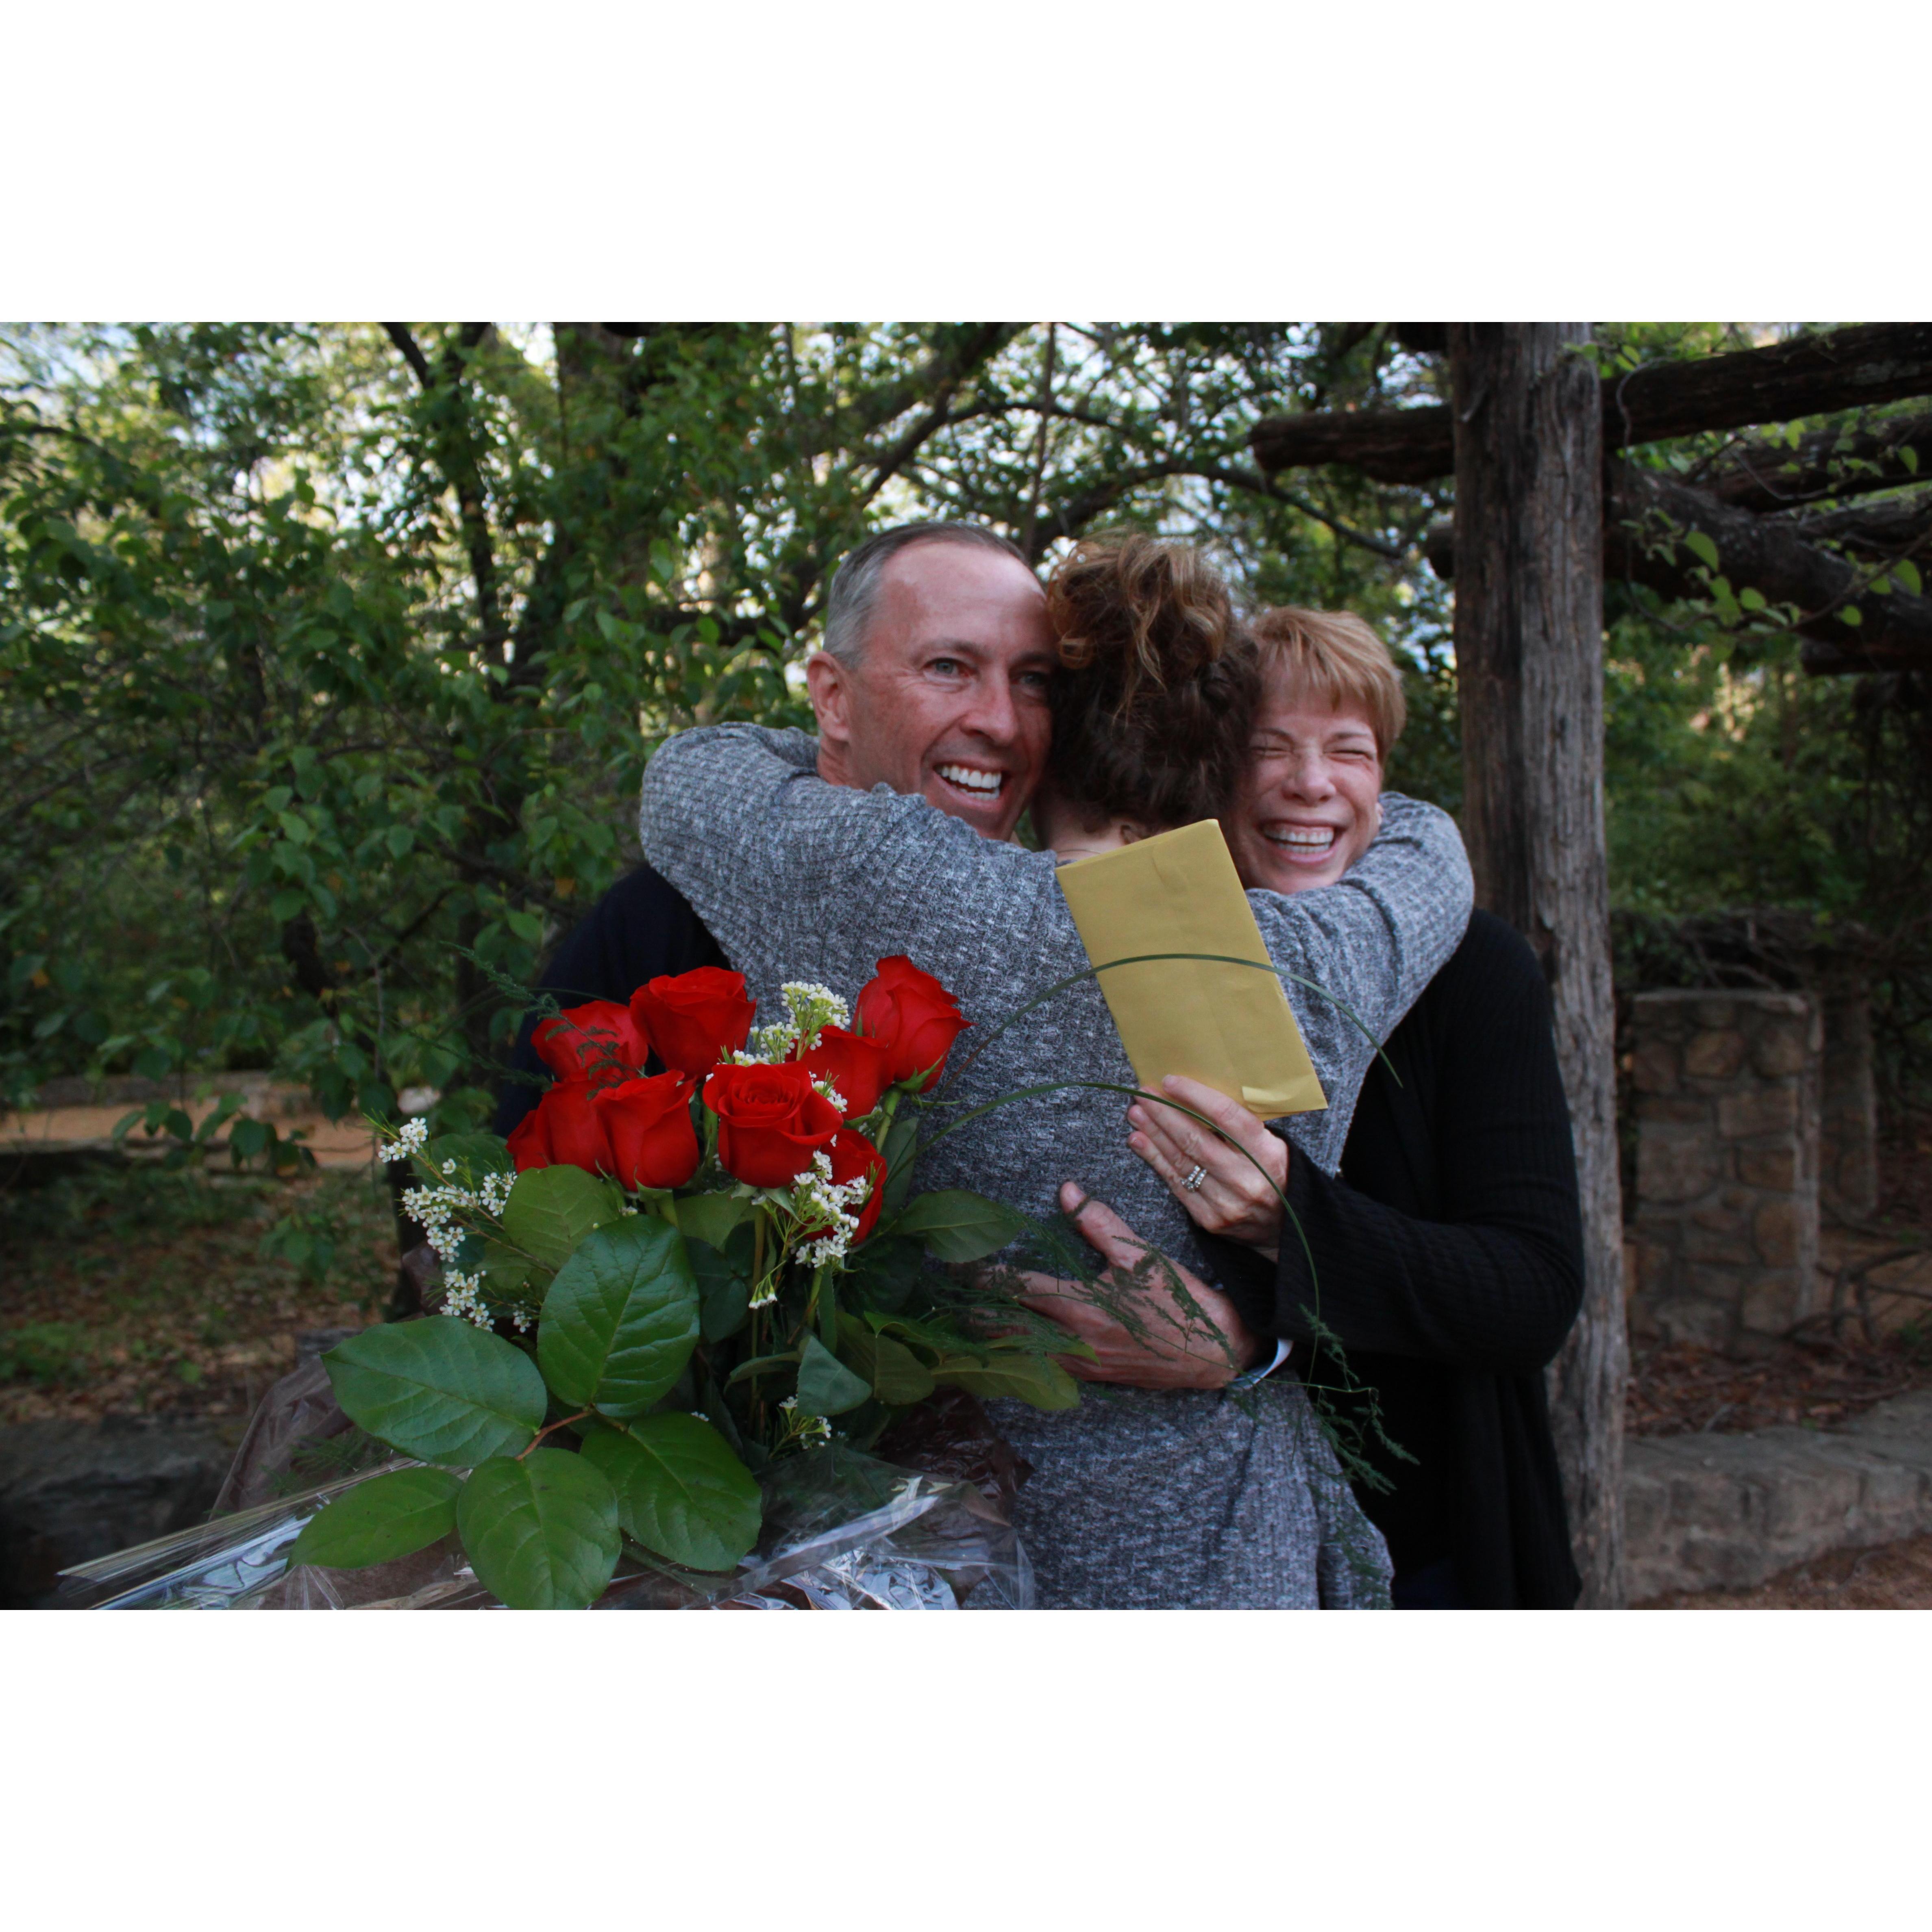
(1333, 654)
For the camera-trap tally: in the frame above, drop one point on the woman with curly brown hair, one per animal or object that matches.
(1155, 699)
(1166, 1492)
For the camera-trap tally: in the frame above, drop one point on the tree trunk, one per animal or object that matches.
(1528, 448)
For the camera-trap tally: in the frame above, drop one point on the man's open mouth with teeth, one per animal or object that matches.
(976, 781)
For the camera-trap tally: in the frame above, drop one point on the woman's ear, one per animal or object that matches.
(1131, 831)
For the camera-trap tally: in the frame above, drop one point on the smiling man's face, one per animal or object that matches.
(1309, 807)
(949, 698)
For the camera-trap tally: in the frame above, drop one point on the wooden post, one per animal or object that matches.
(1529, 628)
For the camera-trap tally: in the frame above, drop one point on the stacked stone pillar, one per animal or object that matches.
(1724, 1240)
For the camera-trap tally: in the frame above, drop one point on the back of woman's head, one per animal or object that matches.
(1154, 701)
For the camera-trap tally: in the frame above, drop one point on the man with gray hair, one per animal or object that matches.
(933, 680)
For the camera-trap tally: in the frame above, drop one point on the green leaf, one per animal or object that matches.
(826, 1386)
(723, 1283)
(957, 1226)
(551, 1209)
(482, 1153)
(400, 838)
(377, 1521)
(541, 1533)
(1909, 457)
(895, 1373)
(1028, 1378)
(1905, 575)
(709, 1218)
(680, 1490)
(884, 1274)
(1851, 615)
(1751, 600)
(620, 1320)
(440, 1389)
(504, 1270)
(1701, 546)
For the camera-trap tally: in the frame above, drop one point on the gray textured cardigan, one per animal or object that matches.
(798, 879)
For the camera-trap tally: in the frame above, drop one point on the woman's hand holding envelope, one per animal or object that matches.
(1238, 1194)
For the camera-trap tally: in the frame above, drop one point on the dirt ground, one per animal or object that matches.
(1820, 1383)
(141, 1292)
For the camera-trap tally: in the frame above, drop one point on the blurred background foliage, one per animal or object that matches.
(330, 657)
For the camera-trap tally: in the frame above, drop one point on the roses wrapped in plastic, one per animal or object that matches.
(696, 1269)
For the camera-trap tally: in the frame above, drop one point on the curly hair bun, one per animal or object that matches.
(1137, 611)
(1158, 685)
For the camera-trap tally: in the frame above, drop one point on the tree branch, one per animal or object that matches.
(398, 332)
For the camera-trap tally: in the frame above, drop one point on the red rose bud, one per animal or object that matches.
(853, 1155)
(599, 1042)
(563, 1129)
(770, 1122)
(694, 1018)
(648, 1124)
(856, 1066)
(913, 1017)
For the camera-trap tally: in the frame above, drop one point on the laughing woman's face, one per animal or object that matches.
(1308, 807)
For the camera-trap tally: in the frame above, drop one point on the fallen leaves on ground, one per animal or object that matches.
(1680, 1389)
(142, 1293)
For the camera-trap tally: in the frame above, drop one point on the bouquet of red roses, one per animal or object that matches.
(666, 1279)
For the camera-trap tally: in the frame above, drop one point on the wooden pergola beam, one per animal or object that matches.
(1648, 516)
(1812, 375)
(1838, 460)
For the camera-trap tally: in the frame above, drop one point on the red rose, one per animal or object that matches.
(599, 1042)
(564, 1129)
(694, 1018)
(856, 1066)
(913, 1017)
(770, 1122)
(648, 1123)
(852, 1155)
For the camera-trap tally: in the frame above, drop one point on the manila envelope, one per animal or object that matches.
(1225, 1025)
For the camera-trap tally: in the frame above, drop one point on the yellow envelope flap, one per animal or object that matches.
(1226, 1025)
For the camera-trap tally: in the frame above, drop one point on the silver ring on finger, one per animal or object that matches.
(1196, 1175)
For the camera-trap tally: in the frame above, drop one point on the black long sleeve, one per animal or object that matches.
(642, 928)
(1485, 1270)
(1448, 1259)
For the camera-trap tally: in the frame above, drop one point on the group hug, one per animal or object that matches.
(1429, 1262)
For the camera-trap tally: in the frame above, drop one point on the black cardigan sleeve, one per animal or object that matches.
(1494, 1280)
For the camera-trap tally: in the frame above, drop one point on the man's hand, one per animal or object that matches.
(1181, 1349)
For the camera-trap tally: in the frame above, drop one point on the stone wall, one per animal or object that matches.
(1723, 1243)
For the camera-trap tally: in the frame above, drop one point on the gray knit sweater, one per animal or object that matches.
(797, 879)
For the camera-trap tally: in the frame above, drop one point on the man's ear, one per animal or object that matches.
(828, 683)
